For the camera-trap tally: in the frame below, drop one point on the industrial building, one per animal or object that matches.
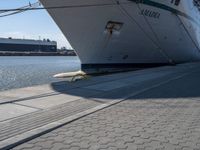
(27, 45)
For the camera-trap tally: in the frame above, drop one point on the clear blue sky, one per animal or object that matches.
(30, 24)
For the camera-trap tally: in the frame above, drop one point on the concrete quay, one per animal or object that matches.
(152, 109)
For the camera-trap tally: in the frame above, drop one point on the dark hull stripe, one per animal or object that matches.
(165, 7)
(122, 65)
(118, 67)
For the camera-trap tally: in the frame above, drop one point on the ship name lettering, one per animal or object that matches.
(150, 13)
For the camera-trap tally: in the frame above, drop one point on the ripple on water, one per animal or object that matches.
(16, 72)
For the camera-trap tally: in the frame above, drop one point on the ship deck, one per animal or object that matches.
(157, 108)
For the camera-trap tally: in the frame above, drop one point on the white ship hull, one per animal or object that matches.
(151, 32)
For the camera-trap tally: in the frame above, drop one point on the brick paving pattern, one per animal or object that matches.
(133, 124)
(163, 118)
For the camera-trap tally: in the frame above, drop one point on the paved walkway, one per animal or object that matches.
(151, 109)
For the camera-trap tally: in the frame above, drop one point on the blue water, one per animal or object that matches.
(20, 71)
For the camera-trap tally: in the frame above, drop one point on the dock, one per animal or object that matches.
(150, 109)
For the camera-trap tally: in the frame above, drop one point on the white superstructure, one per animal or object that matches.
(129, 33)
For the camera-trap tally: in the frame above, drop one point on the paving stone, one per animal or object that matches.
(40, 118)
(27, 146)
(161, 118)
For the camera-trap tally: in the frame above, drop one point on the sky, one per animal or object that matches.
(35, 24)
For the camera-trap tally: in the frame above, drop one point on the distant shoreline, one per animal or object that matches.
(38, 53)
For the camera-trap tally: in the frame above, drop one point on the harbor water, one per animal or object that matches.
(23, 71)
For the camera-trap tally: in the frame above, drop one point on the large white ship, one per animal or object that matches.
(129, 33)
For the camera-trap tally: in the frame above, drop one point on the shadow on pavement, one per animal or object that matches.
(186, 87)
